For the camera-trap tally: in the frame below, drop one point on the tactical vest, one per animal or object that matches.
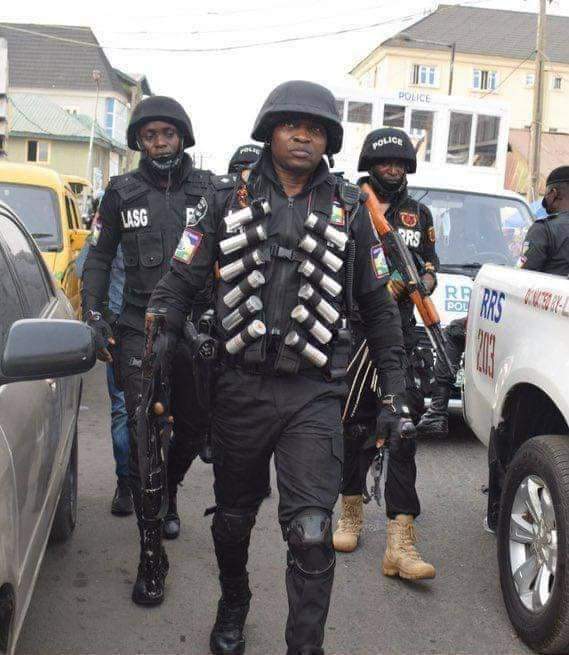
(281, 296)
(152, 222)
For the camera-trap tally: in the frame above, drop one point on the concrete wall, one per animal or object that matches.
(390, 70)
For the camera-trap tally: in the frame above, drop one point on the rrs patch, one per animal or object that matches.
(188, 246)
(410, 237)
(379, 262)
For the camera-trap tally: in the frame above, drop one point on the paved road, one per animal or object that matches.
(82, 600)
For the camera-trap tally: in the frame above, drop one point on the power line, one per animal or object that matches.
(11, 101)
(509, 75)
(244, 46)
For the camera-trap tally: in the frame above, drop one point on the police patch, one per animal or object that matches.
(188, 246)
(195, 214)
(338, 217)
(431, 234)
(378, 262)
(408, 219)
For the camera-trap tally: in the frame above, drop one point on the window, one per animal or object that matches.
(530, 80)
(340, 102)
(460, 128)
(73, 111)
(394, 115)
(38, 209)
(424, 75)
(557, 83)
(359, 112)
(486, 144)
(484, 80)
(109, 116)
(115, 119)
(28, 268)
(11, 308)
(421, 133)
(69, 213)
(38, 152)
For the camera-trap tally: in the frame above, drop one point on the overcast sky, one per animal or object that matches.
(223, 90)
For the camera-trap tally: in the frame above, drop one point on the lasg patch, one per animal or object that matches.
(195, 214)
(338, 217)
(379, 262)
(408, 219)
(188, 246)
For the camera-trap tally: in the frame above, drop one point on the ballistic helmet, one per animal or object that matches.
(387, 143)
(243, 157)
(159, 108)
(300, 98)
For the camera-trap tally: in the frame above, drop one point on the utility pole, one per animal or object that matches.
(97, 75)
(537, 114)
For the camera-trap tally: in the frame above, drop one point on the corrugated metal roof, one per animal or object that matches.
(35, 114)
(492, 32)
(46, 57)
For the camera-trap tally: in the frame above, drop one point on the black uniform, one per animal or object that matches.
(269, 399)
(414, 222)
(546, 246)
(148, 220)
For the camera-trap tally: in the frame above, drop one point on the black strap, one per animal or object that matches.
(286, 253)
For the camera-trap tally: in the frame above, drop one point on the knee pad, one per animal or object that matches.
(309, 538)
(232, 526)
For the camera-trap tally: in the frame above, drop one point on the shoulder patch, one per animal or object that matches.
(188, 246)
(409, 219)
(431, 234)
(220, 182)
(338, 216)
(96, 229)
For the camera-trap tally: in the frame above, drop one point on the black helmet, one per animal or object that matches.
(244, 156)
(159, 108)
(305, 98)
(387, 143)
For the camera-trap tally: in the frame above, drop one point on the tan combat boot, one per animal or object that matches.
(350, 524)
(401, 558)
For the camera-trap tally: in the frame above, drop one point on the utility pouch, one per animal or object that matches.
(204, 352)
(339, 359)
(287, 361)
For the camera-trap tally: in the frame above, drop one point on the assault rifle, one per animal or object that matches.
(154, 423)
(401, 261)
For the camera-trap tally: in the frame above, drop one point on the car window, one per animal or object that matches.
(28, 269)
(38, 209)
(69, 212)
(11, 307)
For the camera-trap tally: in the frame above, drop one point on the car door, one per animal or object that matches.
(30, 411)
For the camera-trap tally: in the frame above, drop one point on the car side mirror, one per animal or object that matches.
(77, 238)
(43, 348)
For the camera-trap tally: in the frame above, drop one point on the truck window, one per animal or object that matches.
(11, 308)
(69, 213)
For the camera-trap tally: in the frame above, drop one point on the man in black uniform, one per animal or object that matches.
(146, 211)
(545, 249)
(283, 294)
(244, 157)
(388, 156)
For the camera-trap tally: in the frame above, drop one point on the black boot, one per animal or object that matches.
(435, 420)
(227, 634)
(153, 567)
(122, 504)
(171, 525)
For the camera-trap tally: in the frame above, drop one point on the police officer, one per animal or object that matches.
(244, 157)
(545, 249)
(546, 246)
(388, 156)
(146, 211)
(283, 293)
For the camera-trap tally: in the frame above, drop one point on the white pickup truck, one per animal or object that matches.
(516, 400)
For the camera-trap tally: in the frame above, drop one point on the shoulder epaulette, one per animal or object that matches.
(220, 182)
(128, 186)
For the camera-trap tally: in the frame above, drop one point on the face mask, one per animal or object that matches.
(165, 165)
(387, 188)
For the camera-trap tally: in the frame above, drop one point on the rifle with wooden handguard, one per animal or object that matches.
(401, 261)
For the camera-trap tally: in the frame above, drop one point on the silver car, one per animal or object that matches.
(42, 355)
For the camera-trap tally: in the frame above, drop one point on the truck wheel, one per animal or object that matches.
(66, 512)
(533, 535)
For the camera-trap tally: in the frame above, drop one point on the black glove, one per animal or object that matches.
(393, 421)
(103, 335)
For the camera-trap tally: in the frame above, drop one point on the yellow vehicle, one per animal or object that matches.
(48, 207)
